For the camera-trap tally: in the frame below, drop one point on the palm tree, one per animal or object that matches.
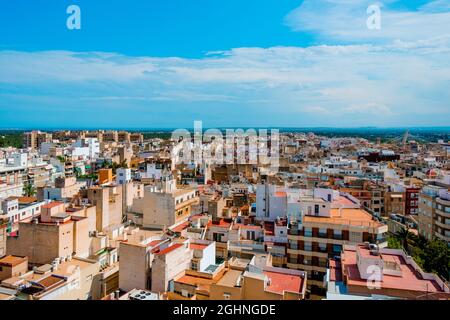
(29, 190)
(123, 164)
(406, 238)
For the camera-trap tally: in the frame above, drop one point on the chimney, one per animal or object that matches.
(117, 294)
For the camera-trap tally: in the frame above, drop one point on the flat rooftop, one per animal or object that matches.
(280, 282)
(230, 278)
(354, 217)
(409, 280)
(11, 261)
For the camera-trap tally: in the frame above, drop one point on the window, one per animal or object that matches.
(293, 244)
(308, 232)
(322, 247)
(316, 209)
(337, 248)
(217, 237)
(308, 246)
(323, 233)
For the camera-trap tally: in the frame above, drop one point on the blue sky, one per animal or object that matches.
(228, 63)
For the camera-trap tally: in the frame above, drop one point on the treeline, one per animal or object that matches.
(431, 256)
(11, 139)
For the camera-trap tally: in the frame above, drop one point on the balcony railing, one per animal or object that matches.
(295, 232)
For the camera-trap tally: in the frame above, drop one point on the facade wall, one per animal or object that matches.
(7, 272)
(3, 236)
(167, 267)
(42, 243)
(81, 239)
(134, 267)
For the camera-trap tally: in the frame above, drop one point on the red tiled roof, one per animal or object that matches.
(197, 246)
(153, 243)
(52, 205)
(181, 227)
(169, 249)
(221, 224)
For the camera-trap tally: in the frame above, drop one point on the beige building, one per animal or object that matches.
(3, 236)
(136, 256)
(55, 234)
(107, 200)
(324, 228)
(63, 190)
(394, 203)
(442, 216)
(34, 139)
(169, 263)
(66, 279)
(243, 281)
(427, 205)
(167, 208)
(13, 266)
(434, 211)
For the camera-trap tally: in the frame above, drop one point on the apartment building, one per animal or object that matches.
(3, 235)
(136, 254)
(442, 216)
(108, 202)
(370, 195)
(215, 205)
(327, 222)
(218, 230)
(394, 203)
(426, 211)
(34, 139)
(194, 282)
(110, 136)
(64, 189)
(412, 200)
(12, 175)
(369, 272)
(258, 280)
(71, 278)
(168, 206)
(271, 202)
(18, 209)
(168, 264)
(53, 235)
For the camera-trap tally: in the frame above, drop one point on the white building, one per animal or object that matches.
(123, 175)
(271, 202)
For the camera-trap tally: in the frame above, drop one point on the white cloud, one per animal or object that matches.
(346, 20)
(340, 83)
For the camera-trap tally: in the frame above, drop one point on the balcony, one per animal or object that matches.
(442, 225)
(295, 232)
(442, 213)
(246, 246)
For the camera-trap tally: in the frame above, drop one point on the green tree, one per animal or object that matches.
(436, 258)
(29, 190)
(406, 238)
(394, 243)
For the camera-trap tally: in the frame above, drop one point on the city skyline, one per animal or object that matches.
(264, 64)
